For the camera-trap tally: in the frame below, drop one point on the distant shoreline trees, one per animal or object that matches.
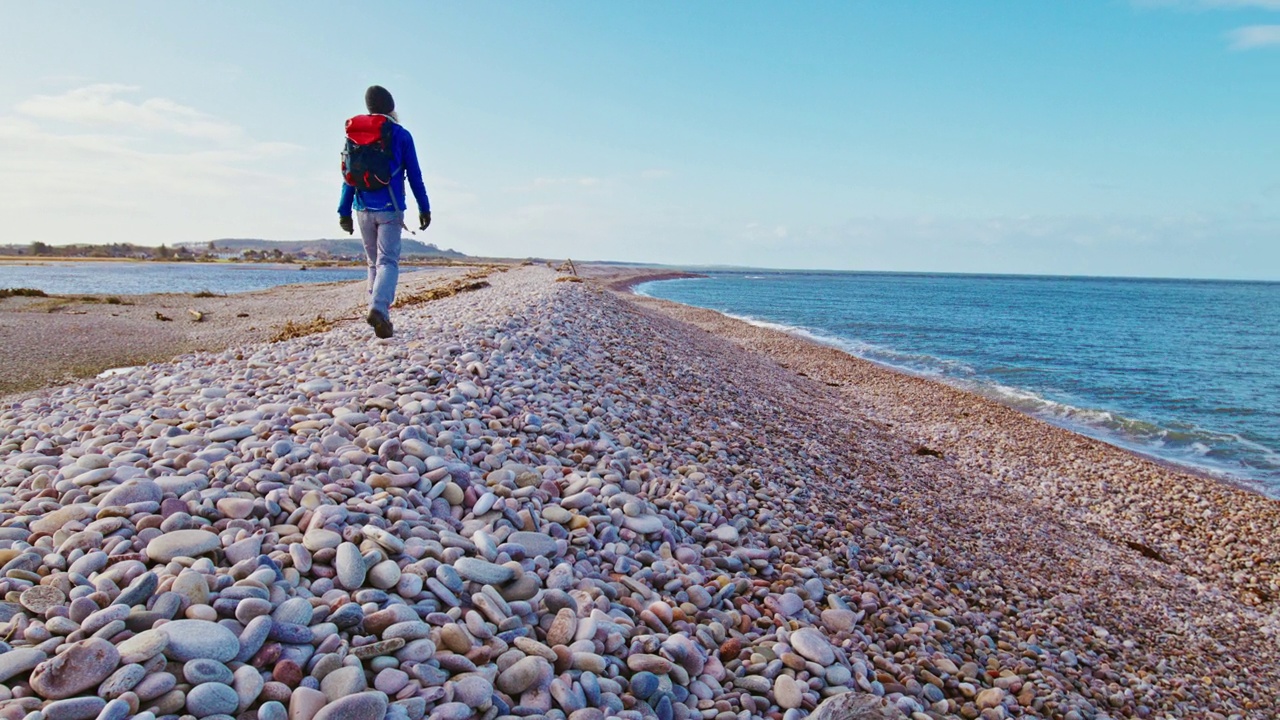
(129, 251)
(226, 250)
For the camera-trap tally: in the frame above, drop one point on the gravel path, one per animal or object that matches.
(543, 499)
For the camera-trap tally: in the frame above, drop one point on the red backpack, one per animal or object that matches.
(367, 160)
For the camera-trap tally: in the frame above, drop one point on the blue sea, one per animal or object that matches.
(138, 278)
(1186, 371)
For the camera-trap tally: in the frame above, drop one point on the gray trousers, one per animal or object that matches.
(381, 234)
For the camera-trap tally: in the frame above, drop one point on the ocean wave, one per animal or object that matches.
(919, 363)
(1223, 455)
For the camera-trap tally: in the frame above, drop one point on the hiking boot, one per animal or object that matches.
(381, 323)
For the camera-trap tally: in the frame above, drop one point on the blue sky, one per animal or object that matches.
(1112, 138)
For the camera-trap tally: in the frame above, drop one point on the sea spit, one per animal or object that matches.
(544, 499)
(56, 339)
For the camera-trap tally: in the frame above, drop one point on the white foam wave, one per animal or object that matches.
(917, 363)
(1196, 448)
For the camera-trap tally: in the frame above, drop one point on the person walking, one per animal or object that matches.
(379, 154)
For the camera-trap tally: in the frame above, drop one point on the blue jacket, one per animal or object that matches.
(380, 200)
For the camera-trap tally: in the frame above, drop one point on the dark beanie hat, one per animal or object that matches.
(379, 100)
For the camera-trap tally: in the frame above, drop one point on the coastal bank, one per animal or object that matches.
(61, 338)
(544, 498)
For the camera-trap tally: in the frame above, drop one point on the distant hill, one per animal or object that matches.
(336, 248)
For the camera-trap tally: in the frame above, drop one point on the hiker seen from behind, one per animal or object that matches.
(378, 156)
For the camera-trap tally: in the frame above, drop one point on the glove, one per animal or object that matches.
(424, 219)
(345, 223)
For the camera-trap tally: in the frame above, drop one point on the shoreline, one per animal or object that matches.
(58, 339)
(568, 499)
(950, 412)
(1207, 473)
(1224, 476)
(628, 283)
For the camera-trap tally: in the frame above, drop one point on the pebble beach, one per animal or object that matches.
(551, 499)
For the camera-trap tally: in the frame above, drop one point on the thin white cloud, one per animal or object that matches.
(92, 165)
(589, 182)
(107, 163)
(543, 182)
(102, 105)
(1211, 4)
(1254, 36)
(1243, 4)
(43, 167)
(1250, 37)
(448, 192)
